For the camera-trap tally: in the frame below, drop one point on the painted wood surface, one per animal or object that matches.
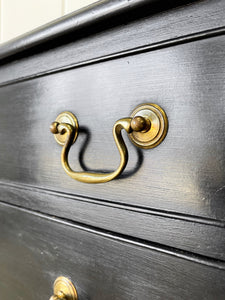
(94, 35)
(156, 231)
(185, 174)
(36, 249)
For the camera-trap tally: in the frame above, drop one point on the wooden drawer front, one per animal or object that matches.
(35, 249)
(161, 187)
(185, 174)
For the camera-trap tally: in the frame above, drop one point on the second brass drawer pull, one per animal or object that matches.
(147, 127)
(63, 289)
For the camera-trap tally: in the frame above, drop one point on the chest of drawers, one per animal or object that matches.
(157, 230)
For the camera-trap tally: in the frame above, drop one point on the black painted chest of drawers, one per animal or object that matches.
(158, 230)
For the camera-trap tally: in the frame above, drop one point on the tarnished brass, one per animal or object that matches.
(158, 129)
(147, 127)
(63, 289)
(68, 118)
(140, 124)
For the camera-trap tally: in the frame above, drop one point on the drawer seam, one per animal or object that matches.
(124, 206)
(190, 256)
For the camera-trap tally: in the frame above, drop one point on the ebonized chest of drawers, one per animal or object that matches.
(156, 231)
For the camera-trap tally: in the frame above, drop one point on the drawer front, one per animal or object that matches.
(185, 174)
(35, 249)
(172, 194)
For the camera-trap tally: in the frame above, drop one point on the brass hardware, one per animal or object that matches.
(68, 118)
(158, 128)
(147, 127)
(63, 289)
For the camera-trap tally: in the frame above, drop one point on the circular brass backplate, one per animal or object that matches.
(63, 285)
(69, 118)
(159, 126)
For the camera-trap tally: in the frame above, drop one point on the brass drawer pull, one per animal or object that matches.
(63, 289)
(147, 127)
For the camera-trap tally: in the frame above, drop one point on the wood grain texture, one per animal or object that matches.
(196, 235)
(185, 174)
(42, 249)
(145, 27)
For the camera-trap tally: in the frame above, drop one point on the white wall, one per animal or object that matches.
(20, 16)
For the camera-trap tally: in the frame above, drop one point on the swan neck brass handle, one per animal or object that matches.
(146, 127)
(63, 289)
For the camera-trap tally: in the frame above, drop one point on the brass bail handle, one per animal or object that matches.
(146, 127)
(63, 289)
